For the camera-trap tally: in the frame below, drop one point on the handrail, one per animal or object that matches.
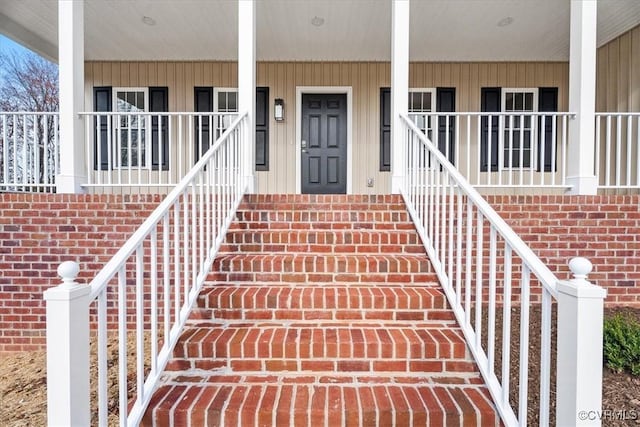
(112, 267)
(521, 248)
(448, 211)
(156, 275)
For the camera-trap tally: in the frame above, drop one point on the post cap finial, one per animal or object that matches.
(68, 271)
(580, 267)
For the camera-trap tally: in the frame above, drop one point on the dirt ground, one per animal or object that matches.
(23, 386)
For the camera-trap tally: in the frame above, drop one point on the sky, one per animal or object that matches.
(8, 45)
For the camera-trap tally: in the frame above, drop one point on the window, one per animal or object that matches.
(422, 101)
(440, 129)
(131, 137)
(209, 99)
(225, 101)
(517, 143)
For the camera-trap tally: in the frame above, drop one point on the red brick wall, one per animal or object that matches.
(605, 229)
(37, 233)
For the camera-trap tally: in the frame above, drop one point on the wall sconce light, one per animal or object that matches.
(278, 110)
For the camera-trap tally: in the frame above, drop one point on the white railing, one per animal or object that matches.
(147, 149)
(29, 151)
(481, 263)
(148, 287)
(501, 150)
(617, 156)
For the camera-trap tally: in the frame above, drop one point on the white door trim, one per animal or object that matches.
(323, 89)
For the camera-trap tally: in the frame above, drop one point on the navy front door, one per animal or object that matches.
(324, 143)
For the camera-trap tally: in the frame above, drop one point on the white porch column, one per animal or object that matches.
(582, 97)
(399, 88)
(247, 83)
(71, 70)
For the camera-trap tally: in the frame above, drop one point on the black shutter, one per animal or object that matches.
(159, 102)
(385, 129)
(446, 103)
(203, 99)
(490, 102)
(262, 128)
(547, 102)
(101, 103)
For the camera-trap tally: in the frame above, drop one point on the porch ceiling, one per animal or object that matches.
(441, 30)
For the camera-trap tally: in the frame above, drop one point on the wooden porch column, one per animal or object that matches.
(582, 97)
(399, 89)
(73, 171)
(247, 84)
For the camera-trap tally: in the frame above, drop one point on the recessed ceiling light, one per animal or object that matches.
(505, 21)
(317, 21)
(148, 20)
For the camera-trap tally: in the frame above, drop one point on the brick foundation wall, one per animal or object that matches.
(605, 229)
(39, 231)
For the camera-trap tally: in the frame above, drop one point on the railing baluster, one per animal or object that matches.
(629, 138)
(638, 151)
(24, 152)
(545, 358)
(479, 263)
(103, 393)
(451, 229)
(122, 345)
(618, 148)
(524, 345)
(154, 300)
(166, 294)
(506, 325)
(5, 153)
(140, 320)
(467, 287)
(492, 299)
(459, 249)
(607, 153)
(176, 257)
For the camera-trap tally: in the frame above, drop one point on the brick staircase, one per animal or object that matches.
(321, 311)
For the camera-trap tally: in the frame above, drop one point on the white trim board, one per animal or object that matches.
(324, 89)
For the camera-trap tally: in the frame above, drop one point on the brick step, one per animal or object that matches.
(323, 241)
(323, 225)
(330, 302)
(427, 346)
(239, 401)
(332, 264)
(345, 216)
(360, 202)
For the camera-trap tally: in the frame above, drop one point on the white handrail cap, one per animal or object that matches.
(68, 271)
(580, 267)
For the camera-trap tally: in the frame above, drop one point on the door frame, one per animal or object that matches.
(340, 90)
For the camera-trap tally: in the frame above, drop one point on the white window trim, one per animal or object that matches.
(216, 92)
(429, 119)
(533, 164)
(147, 140)
(430, 90)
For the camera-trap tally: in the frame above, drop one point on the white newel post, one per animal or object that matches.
(399, 89)
(73, 173)
(579, 375)
(582, 98)
(247, 84)
(68, 350)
